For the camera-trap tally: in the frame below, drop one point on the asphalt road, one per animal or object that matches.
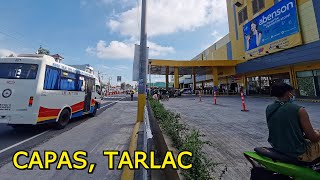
(110, 130)
(13, 140)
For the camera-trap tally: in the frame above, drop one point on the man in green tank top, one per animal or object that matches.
(290, 130)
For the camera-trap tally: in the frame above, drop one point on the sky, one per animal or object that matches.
(102, 33)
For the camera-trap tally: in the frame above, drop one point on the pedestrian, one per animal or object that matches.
(155, 97)
(241, 89)
(147, 92)
(131, 94)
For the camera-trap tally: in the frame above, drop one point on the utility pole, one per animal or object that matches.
(149, 67)
(109, 84)
(143, 64)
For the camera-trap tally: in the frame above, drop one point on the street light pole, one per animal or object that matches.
(149, 67)
(143, 64)
(109, 84)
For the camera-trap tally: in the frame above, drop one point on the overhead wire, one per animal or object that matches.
(21, 39)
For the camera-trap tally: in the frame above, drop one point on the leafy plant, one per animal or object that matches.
(185, 140)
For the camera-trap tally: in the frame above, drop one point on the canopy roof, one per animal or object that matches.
(186, 67)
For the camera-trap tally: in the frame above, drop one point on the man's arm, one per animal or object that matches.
(311, 134)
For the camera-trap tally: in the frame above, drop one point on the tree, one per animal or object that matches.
(123, 86)
(128, 86)
(43, 51)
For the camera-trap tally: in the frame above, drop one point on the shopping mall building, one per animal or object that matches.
(279, 41)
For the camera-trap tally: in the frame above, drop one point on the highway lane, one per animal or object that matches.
(12, 140)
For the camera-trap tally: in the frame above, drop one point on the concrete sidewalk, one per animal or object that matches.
(111, 130)
(230, 130)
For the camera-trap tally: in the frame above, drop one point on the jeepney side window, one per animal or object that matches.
(81, 84)
(98, 89)
(52, 79)
(57, 79)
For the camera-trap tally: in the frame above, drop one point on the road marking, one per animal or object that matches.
(21, 142)
(112, 103)
(115, 97)
(108, 105)
(94, 148)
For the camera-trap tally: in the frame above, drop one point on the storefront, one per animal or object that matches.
(261, 85)
(309, 83)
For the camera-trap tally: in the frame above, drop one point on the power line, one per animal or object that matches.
(6, 34)
(33, 44)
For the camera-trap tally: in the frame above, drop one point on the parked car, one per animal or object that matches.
(185, 91)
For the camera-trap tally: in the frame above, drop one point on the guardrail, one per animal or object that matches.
(144, 143)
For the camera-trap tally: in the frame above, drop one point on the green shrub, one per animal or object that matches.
(184, 140)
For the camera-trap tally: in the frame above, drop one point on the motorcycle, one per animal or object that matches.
(269, 164)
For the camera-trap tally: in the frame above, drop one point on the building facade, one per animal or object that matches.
(279, 39)
(297, 64)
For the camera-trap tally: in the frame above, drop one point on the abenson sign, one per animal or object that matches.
(274, 30)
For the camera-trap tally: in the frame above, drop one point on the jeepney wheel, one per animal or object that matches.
(94, 113)
(63, 119)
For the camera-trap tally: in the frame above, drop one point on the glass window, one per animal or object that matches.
(68, 84)
(56, 79)
(305, 74)
(306, 86)
(243, 15)
(81, 84)
(257, 5)
(98, 89)
(68, 75)
(51, 80)
(316, 72)
(18, 71)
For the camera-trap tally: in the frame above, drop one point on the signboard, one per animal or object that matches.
(275, 29)
(136, 62)
(118, 78)
(135, 69)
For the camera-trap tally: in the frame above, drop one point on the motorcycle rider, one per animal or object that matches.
(290, 129)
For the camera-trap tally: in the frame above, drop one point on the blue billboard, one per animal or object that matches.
(278, 22)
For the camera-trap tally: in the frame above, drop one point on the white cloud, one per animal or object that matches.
(164, 17)
(214, 33)
(115, 50)
(170, 16)
(6, 52)
(125, 50)
(116, 68)
(157, 50)
(217, 36)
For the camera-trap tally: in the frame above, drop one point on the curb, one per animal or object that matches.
(266, 97)
(160, 144)
(128, 174)
(141, 140)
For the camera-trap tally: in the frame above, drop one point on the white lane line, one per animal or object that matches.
(21, 142)
(112, 103)
(107, 105)
(94, 148)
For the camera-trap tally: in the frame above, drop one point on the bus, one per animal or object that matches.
(35, 89)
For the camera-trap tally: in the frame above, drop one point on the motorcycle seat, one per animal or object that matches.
(278, 156)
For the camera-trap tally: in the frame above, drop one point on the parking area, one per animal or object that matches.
(230, 130)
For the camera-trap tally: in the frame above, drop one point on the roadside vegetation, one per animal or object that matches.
(185, 139)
